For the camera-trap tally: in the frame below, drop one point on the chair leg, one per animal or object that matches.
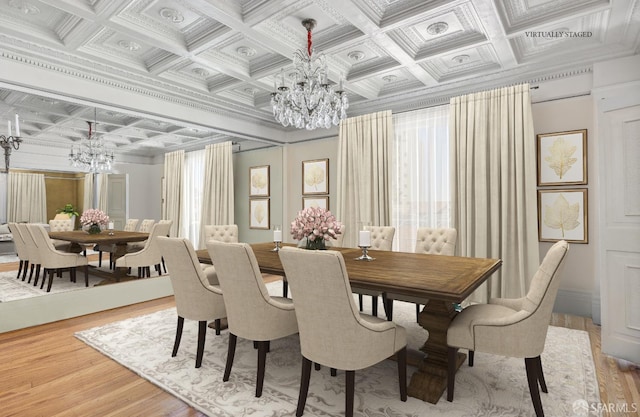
(285, 288)
(20, 268)
(263, 346)
(334, 372)
(35, 282)
(350, 393)
(402, 372)
(541, 381)
(304, 386)
(24, 271)
(31, 273)
(387, 303)
(99, 258)
(50, 280)
(360, 301)
(164, 266)
(86, 275)
(159, 269)
(217, 326)
(176, 343)
(374, 305)
(44, 276)
(72, 274)
(417, 312)
(471, 352)
(202, 335)
(231, 351)
(452, 354)
(532, 378)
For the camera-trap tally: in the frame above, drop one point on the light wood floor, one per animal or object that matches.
(46, 371)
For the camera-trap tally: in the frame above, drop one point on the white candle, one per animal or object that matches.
(9, 128)
(277, 235)
(17, 125)
(110, 226)
(364, 238)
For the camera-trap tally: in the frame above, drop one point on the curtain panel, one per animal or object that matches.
(87, 201)
(173, 177)
(493, 177)
(363, 172)
(217, 199)
(193, 184)
(102, 181)
(26, 198)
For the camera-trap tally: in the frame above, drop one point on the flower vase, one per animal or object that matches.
(317, 244)
(94, 229)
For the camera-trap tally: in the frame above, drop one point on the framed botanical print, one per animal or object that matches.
(562, 215)
(259, 181)
(562, 158)
(322, 202)
(315, 177)
(259, 215)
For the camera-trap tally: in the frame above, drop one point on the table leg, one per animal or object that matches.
(429, 382)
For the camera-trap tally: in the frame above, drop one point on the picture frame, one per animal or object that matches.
(563, 215)
(259, 181)
(315, 177)
(562, 158)
(259, 213)
(320, 201)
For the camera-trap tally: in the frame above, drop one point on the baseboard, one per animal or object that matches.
(577, 303)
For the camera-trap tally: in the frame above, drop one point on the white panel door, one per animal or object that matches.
(118, 203)
(620, 233)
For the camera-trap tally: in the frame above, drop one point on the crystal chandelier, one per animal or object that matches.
(310, 102)
(91, 154)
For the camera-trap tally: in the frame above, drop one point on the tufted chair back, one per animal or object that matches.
(225, 233)
(131, 225)
(145, 226)
(59, 225)
(381, 237)
(440, 241)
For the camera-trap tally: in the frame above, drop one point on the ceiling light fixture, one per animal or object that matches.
(310, 102)
(91, 154)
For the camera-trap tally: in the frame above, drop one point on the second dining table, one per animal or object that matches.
(443, 280)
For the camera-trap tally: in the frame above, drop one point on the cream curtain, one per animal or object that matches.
(89, 187)
(493, 177)
(172, 204)
(26, 198)
(217, 199)
(363, 172)
(193, 184)
(102, 181)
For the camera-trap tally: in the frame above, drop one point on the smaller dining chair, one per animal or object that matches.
(149, 255)
(53, 260)
(515, 328)
(21, 249)
(145, 227)
(252, 313)
(195, 298)
(381, 239)
(432, 241)
(332, 331)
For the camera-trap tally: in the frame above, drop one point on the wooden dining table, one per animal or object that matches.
(443, 280)
(79, 240)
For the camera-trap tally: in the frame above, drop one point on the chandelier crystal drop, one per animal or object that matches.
(310, 102)
(91, 154)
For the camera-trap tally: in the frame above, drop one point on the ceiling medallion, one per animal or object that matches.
(246, 51)
(437, 28)
(201, 72)
(389, 78)
(310, 101)
(172, 15)
(129, 45)
(250, 91)
(461, 59)
(24, 7)
(355, 55)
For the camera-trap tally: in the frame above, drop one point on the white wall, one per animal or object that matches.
(578, 287)
(144, 189)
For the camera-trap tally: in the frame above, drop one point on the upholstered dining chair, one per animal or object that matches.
(145, 227)
(226, 233)
(332, 330)
(61, 225)
(433, 241)
(252, 313)
(32, 252)
(148, 255)
(21, 249)
(129, 226)
(511, 327)
(381, 239)
(53, 260)
(195, 298)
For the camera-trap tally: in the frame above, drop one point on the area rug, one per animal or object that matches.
(495, 386)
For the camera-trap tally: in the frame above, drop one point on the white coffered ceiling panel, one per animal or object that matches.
(223, 58)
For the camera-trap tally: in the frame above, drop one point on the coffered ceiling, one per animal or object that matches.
(223, 57)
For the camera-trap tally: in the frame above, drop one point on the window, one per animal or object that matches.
(419, 174)
(193, 185)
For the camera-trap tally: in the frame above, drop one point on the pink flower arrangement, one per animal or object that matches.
(315, 223)
(94, 216)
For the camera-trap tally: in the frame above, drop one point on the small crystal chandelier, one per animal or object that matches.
(310, 102)
(91, 154)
